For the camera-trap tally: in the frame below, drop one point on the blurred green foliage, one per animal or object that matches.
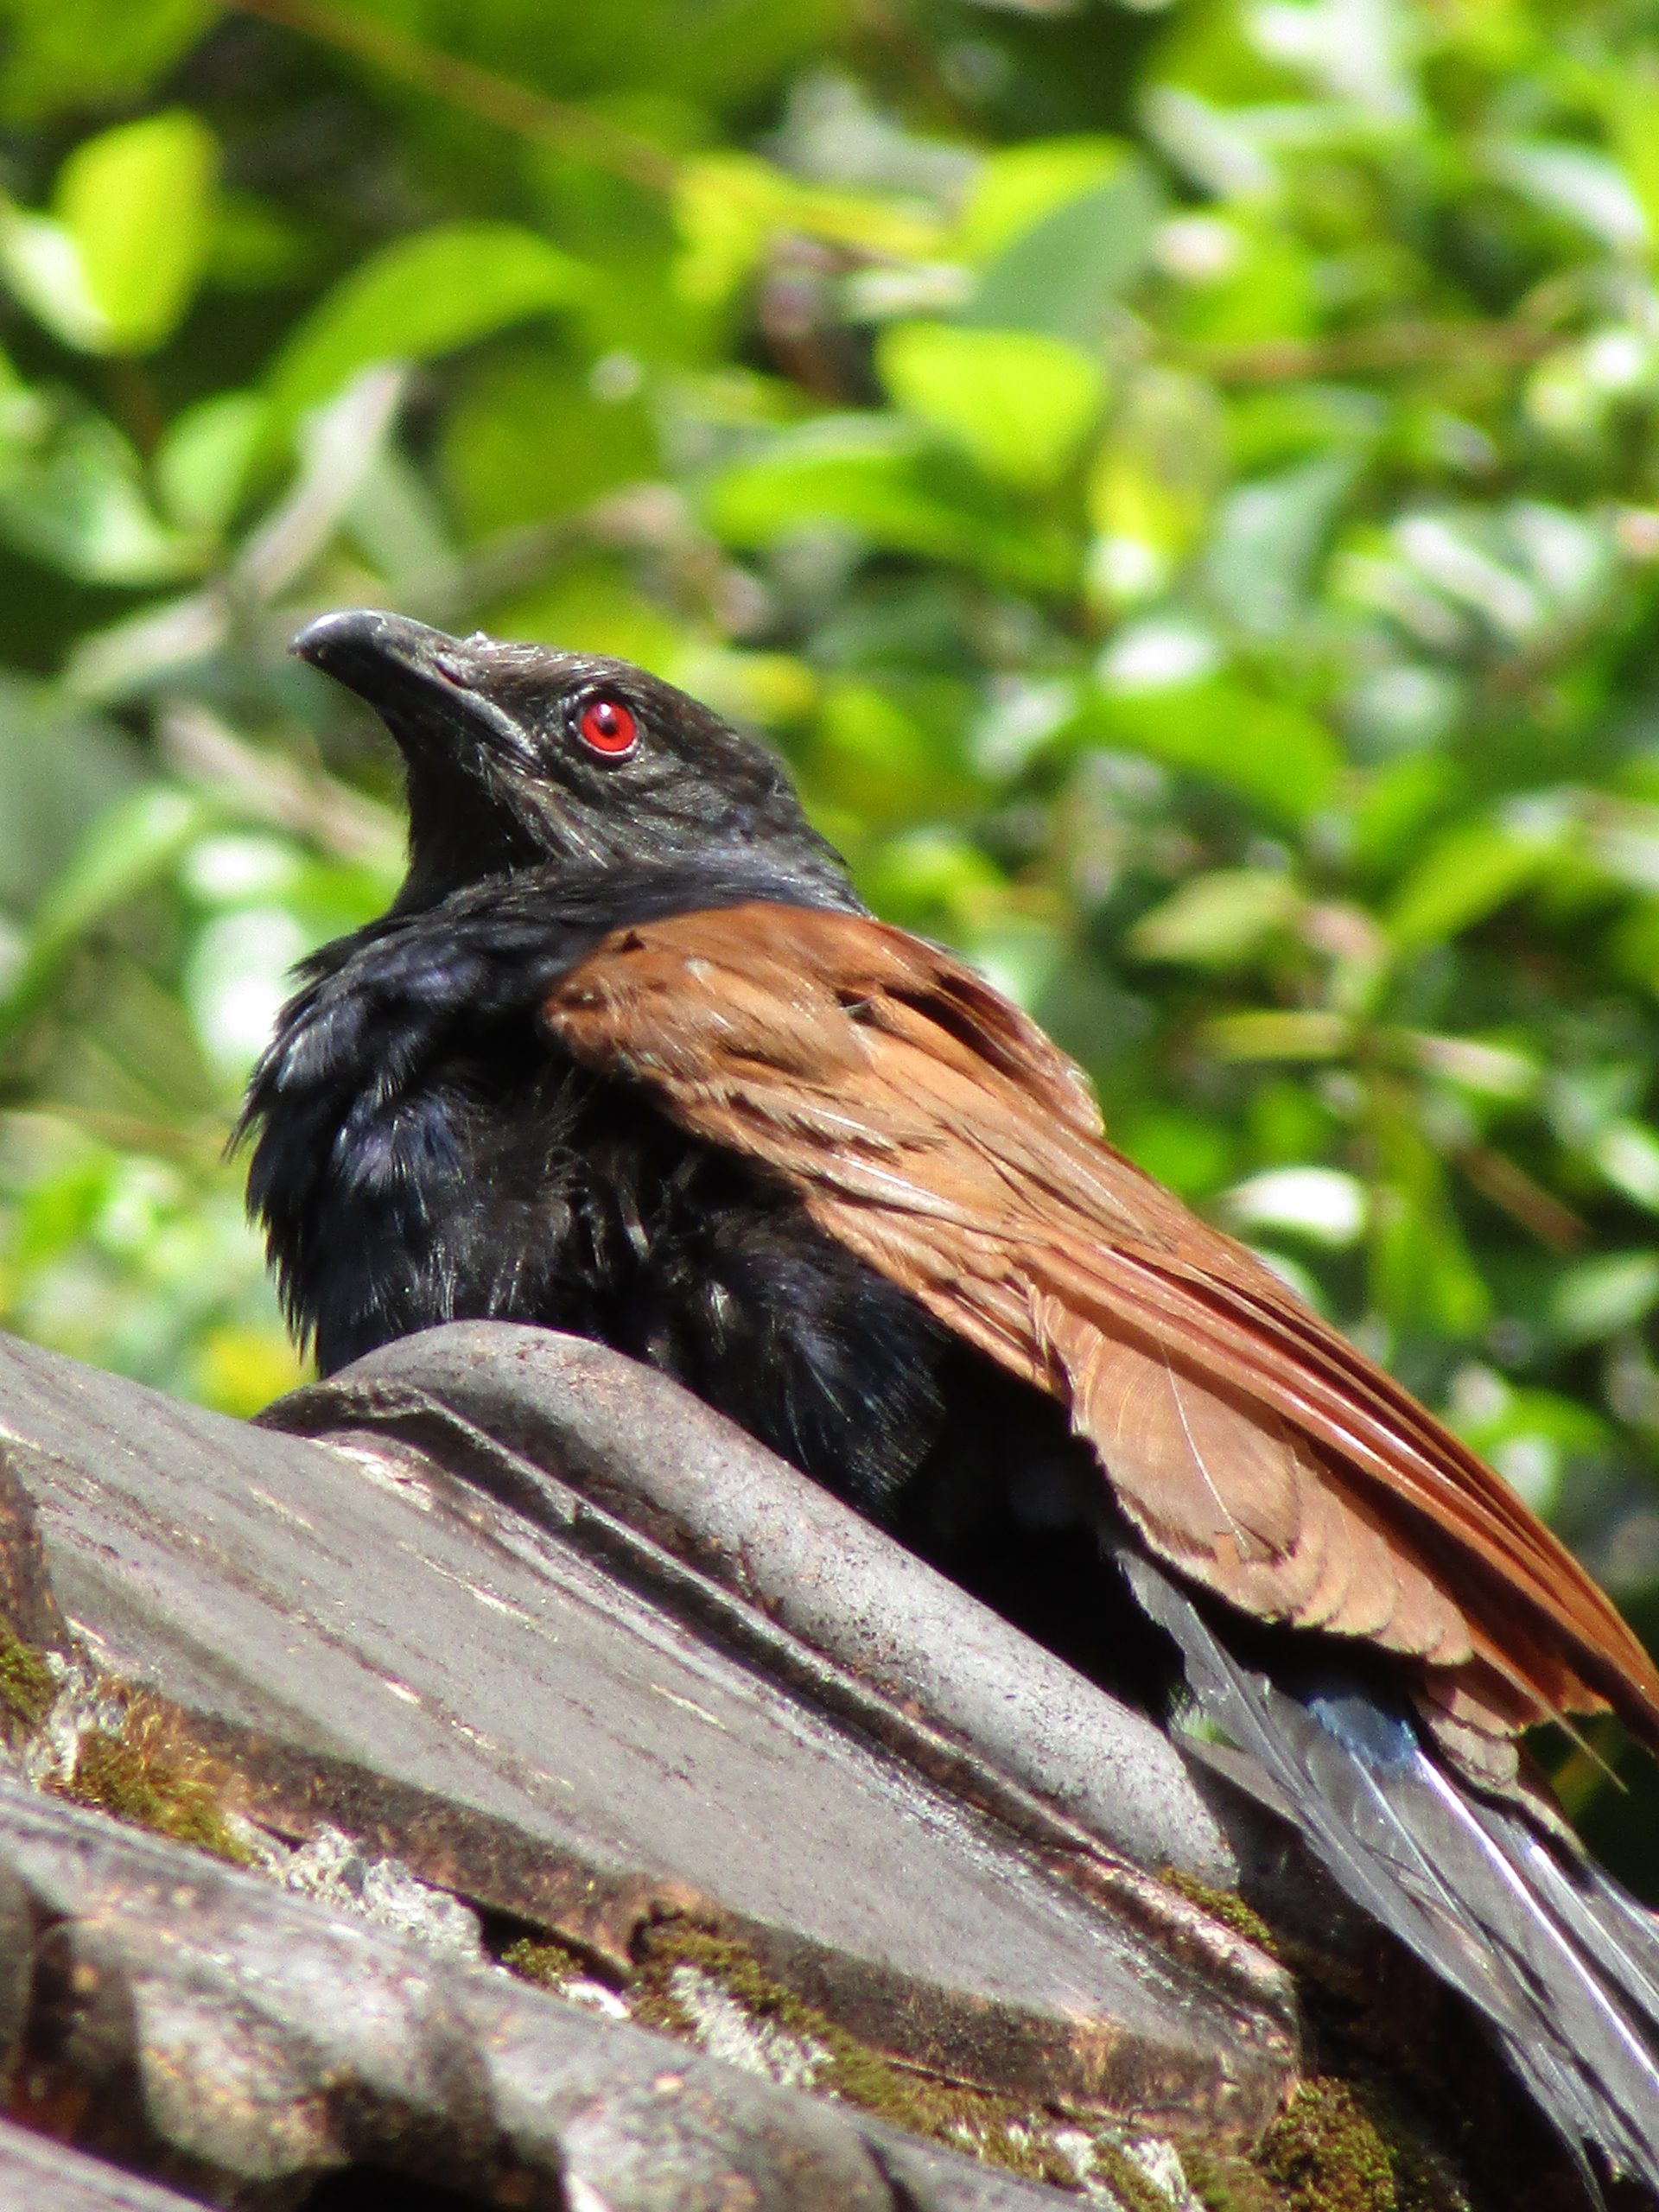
(1179, 482)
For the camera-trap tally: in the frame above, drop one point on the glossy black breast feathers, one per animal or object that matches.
(424, 1151)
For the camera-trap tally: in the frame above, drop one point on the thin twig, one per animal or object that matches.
(200, 1143)
(1362, 352)
(1514, 1191)
(498, 99)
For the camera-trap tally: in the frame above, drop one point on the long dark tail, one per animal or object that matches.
(1561, 1960)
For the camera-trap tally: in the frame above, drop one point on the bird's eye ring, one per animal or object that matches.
(606, 727)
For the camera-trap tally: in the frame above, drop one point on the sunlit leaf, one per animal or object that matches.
(43, 269)
(1627, 1154)
(1276, 1036)
(1020, 404)
(729, 208)
(878, 478)
(1271, 751)
(1575, 181)
(1062, 273)
(421, 295)
(1464, 876)
(1158, 468)
(1322, 1204)
(1597, 1296)
(203, 464)
(1219, 920)
(138, 203)
(1017, 188)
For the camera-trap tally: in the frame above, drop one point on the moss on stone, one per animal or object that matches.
(27, 1687)
(1226, 1906)
(1225, 2182)
(1341, 2147)
(544, 1961)
(146, 1774)
(1327, 2154)
(1001, 2130)
(1133, 2188)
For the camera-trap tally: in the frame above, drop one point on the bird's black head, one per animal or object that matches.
(520, 757)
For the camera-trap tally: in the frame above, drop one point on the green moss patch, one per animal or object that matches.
(1000, 2130)
(1224, 2182)
(1227, 1907)
(545, 1962)
(27, 1687)
(1337, 2147)
(146, 1774)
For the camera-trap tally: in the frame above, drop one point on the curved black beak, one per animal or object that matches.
(423, 684)
(359, 645)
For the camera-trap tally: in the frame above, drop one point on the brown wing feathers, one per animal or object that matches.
(934, 1130)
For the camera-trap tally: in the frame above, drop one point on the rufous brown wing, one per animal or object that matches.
(934, 1130)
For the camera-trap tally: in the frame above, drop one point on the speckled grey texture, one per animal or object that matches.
(244, 2042)
(631, 1437)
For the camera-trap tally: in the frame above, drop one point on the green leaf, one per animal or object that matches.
(1273, 752)
(1627, 1154)
(1279, 1036)
(729, 207)
(1578, 182)
(1600, 1296)
(81, 54)
(1018, 403)
(1219, 920)
(882, 479)
(1061, 276)
(1266, 538)
(527, 437)
(1466, 874)
(138, 203)
(78, 502)
(1191, 1152)
(203, 463)
(881, 749)
(1321, 1204)
(43, 269)
(1152, 482)
(418, 297)
(1019, 187)
(1423, 1273)
(1527, 1434)
(58, 768)
(129, 846)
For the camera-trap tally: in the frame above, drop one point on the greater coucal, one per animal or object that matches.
(629, 1057)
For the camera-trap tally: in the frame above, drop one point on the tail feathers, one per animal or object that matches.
(1562, 1963)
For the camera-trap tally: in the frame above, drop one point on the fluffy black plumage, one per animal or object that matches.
(424, 1150)
(424, 1154)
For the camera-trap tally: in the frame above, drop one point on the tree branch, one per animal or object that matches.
(500, 100)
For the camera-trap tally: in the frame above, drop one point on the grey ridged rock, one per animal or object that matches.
(515, 1638)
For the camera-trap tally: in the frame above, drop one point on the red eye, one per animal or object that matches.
(606, 726)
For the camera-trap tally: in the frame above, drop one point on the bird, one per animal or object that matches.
(629, 1056)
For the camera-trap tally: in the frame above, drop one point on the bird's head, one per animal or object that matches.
(520, 757)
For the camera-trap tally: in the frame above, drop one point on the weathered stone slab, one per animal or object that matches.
(558, 1718)
(242, 2044)
(38, 2174)
(629, 1438)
